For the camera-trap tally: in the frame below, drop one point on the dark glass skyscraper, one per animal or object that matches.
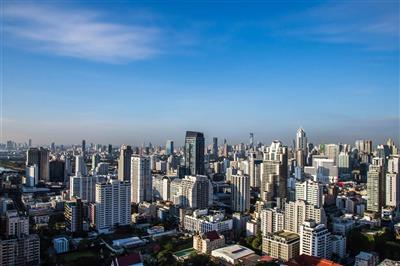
(215, 148)
(194, 153)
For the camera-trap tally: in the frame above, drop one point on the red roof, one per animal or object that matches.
(266, 258)
(212, 235)
(305, 260)
(132, 258)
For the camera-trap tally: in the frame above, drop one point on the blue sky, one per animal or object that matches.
(135, 72)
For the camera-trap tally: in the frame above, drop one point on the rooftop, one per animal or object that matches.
(234, 252)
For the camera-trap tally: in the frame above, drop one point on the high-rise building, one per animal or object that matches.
(282, 245)
(274, 172)
(215, 149)
(332, 151)
(141, 180)
(80, 166)
(124, 163)
(113, 204)
(309, 191)
(109, 150)
(30, 143)
(194, 153)
(301, 140)
(31, 175)
(74, 215)
(16, 225)
(83, 187)
(195, 192)
(297, 212)
(255, 171)
(169, 148)
(39, 157)
(95, 161)
(272, 220)
(83, 147)
(240, 191)
(344, 163)
(375, 188)
(20, 251)
(393, 183)
(251, 140)
(364, 146)
(315, 240)
(57, 171)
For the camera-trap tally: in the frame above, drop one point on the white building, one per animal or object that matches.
(61, 245)
(31, 176)
(297, 212)
(310, 191)
(240, 189)
(16, 225)
(83, 187)
(315, 240)
(195, 192)
(141, 179)
(272, 220)
(113, 204)
(201, 221)
(232, 254)
(393, 183)
(80, 166)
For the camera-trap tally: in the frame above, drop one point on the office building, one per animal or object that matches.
(195, 192)
(169, 147)
(31, 175)
(40, 158)
(57, 171)
(281, 245)
(141, 180)
(375, 188)
(215, 149)
(240, 192)
(194, 153)
(255, 171)
(315, 240)
(112, 205)
(124, 163)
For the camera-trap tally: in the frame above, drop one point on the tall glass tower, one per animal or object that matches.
(194, 153)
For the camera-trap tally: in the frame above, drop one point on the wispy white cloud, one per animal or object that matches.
(79, 33)
(374, 25)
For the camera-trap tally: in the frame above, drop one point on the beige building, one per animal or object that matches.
(207, 242)
(282, 245)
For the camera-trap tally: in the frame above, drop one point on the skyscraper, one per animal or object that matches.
(301, 140)
(240, 191)
(83, 147)
(309, 191)
(393, 182)
(124, 163)
(215, 148)
(40, 158)
(113, 204)
(195, 192)
(169, 148)
(83, 187)
(375, 188)
(141, 180)
(80, 166)
(194, 153)
(274, 172)
(251, 140)
(95, 161)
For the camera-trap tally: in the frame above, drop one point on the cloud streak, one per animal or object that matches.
(370, 24)
(79, 33)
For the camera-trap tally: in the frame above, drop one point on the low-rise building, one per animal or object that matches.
(61, 245)
(202, 221)
(366, 259)
(232, 254)
(282, 245)
(207, 242)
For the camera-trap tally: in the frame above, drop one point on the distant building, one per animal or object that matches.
(194, 153)
(141, 179)
(80, 166)
(240, 191)
(169, 147)
(40, 158)
(124, 163)
(207, 242)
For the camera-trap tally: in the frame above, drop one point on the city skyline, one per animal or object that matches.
(134, 73)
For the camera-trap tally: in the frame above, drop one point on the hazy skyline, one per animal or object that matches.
(135, 72)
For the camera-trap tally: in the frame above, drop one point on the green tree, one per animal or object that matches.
(199, 260)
